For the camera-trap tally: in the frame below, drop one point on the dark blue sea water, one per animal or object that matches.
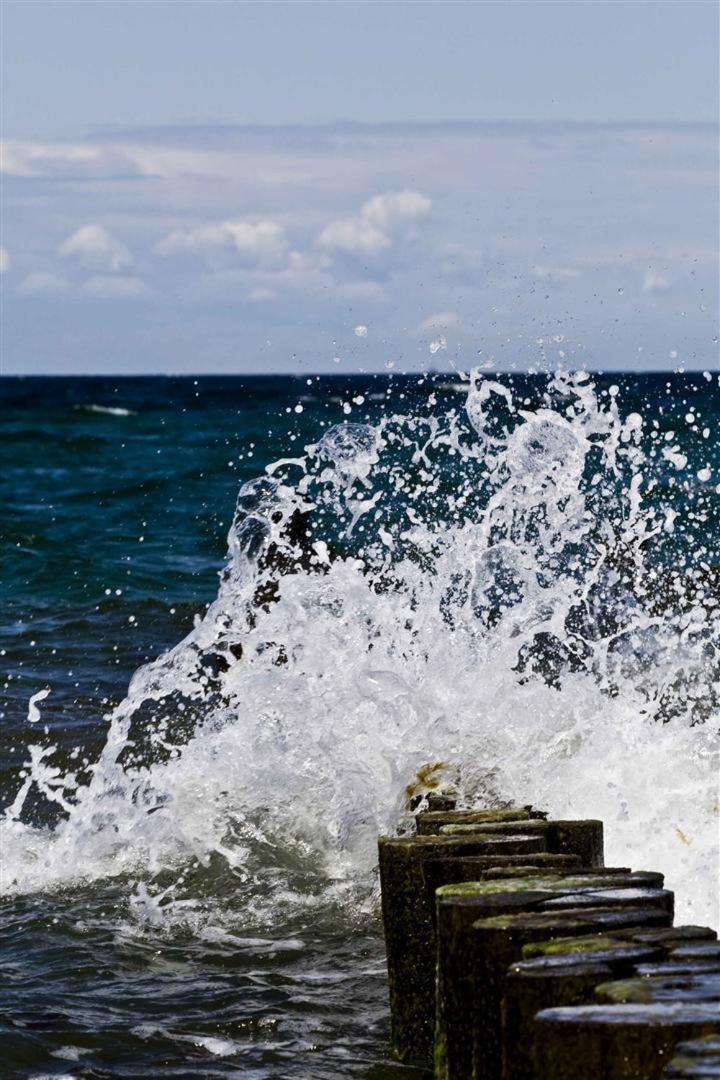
(117, 495)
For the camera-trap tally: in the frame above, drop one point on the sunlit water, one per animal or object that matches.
(515, 577)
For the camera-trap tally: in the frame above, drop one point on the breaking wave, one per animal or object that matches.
(494, 597)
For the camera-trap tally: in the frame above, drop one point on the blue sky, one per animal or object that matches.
(232, 187)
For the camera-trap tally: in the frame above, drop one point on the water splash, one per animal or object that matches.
(494, 589)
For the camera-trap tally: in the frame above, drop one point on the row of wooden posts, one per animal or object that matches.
(515, 954)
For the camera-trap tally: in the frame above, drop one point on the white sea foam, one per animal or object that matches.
(108, 410)
(476, 592)
(33, 710)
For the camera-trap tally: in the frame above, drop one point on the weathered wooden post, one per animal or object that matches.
(408, 915)
(583, 838)
(474, 954)
(567, 971)
(429, 822)
(532, 962)
(563, 977)
(619, 1042)
(407, 909)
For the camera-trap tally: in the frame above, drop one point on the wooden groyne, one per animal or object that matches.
(514, 954)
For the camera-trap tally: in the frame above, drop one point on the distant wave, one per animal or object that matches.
(109, 410)
(456, 387)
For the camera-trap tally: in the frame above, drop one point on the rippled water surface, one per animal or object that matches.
(518, 577)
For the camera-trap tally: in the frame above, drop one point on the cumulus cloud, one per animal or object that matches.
(354, 236)
(381, 219)
(105, 287)
(4, 260)
(43, 283)
(256, 242)
(395, 208)
(96, 249)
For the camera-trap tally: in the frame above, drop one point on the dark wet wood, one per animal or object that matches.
(621, 1042)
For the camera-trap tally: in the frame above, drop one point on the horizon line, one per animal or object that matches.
(434, 373)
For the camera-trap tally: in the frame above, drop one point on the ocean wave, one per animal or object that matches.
(106, 410)
(476, 589)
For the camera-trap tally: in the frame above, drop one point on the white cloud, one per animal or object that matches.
(380, 220)
(96, 249)
(4, 260)
(275, 166)
(43, 284)
(21, 158)
(257, 242)
(104, 287)
(441, 321)
(354, 236)
(359, 234)
(395, 208)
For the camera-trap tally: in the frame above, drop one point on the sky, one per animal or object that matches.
(305, 186)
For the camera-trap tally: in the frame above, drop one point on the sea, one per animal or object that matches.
(248, 623)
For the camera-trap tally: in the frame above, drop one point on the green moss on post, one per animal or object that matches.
(587, 947)
(439, 872)
(646, 990)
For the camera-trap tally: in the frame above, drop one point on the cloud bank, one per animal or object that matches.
(451, 244)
